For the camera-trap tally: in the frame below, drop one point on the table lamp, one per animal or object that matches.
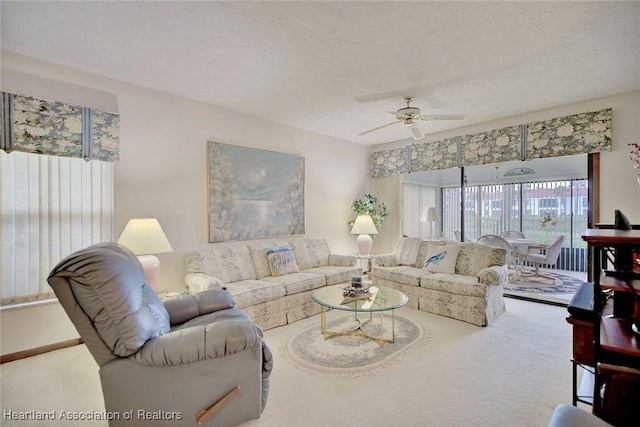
(431, 215)
(145, 237)
(364, 227)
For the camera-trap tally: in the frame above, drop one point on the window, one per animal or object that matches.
(50, 207)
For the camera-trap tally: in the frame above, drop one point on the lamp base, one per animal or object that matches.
(151, 267)
(364, 243)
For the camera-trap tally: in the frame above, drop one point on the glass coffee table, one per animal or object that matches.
(381, 299)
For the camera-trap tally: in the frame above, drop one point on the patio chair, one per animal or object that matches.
(512, 234)
(543, 255)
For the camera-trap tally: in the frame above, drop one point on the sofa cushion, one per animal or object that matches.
(387, 260)
(228, 263)
(335, 275)
(455, 284)
(311, 253)
(282, 260)
(442, 259)
(473, 257)
(298, 282)
(252, 292)
(407, 250)
(258, 253)
(336, 260)
(401, 274)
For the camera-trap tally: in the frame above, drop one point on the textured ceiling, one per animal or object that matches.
(336, 68)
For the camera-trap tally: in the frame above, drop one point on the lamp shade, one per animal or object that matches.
(145, 236)
(432, 214)
(364, 225)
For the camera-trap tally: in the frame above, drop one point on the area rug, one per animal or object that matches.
(556, 289)
(353, 356)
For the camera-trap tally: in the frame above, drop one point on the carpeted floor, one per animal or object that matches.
(557, 288)
(510, 373)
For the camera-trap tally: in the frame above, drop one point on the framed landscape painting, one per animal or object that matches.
(254, 193)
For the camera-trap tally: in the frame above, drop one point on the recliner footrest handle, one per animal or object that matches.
(206, 414)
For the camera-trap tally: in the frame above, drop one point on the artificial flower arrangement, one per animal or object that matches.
(368, 205)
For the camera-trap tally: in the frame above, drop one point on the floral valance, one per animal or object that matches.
(563, 136)
(500, 145)
(41, 126)
(390, 162)
(429, 156)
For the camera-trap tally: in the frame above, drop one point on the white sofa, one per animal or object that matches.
(270, 301)
(472, 294)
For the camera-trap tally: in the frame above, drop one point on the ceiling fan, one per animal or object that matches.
(409, 116)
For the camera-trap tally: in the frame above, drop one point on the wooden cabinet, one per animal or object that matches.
(615, 344)
(581, 317)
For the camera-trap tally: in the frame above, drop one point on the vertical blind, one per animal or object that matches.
(50, 207)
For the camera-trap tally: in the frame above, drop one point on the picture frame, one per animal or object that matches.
(254, 193)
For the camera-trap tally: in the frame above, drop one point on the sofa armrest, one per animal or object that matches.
(189, 345)
(336, 260)
(385, 260)
(494, 275)
(198, 282)
(185, 307)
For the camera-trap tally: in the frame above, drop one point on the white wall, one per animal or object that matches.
(163, 170)
(619, 188)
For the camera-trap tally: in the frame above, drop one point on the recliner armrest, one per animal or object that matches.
(201, 342)
(185, 307)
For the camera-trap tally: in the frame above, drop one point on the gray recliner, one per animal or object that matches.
(182, 361)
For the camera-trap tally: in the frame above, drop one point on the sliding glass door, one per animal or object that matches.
(541, 210)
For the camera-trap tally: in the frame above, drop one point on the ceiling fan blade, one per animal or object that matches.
(443, 117)
(379, 127)
(417, 132)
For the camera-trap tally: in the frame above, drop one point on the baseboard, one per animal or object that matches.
(540, 301)
(39, 350)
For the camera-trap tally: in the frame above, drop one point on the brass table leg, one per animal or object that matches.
(358, 330)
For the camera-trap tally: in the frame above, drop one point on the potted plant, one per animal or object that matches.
(368, 205)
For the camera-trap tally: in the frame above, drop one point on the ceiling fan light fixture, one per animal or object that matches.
(409, 116)
(417, 132)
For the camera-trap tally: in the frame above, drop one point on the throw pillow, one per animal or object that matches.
(282, 260)
(442, 259)
(408, 250)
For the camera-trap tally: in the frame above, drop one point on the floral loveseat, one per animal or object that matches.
(472, 292)
(270, 297)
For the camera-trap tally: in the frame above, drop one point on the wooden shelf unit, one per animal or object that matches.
(614, 342)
